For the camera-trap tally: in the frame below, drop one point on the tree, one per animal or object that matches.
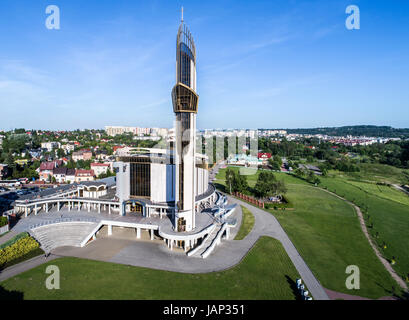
(267, 185)
(280, 188)
(275, 165)
(60, 153)
(299, 172)
(277, 159)
(264, 186)
(235, 181)
(229, 179)
(240, 183)
(312, 178)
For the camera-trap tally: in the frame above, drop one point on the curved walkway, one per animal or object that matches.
(25, 266)
(267, 225)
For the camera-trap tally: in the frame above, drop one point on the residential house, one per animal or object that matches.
(49, 146)
(101, 168)
(264, 156)
(46, 171)
(60, 174)
(84, 154)
(4, 171)
(70, 176)
(101, 155)
(84, 175)
(68, 148)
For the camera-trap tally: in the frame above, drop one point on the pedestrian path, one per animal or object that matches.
(8, 236)
(267, 225)
(25, 266)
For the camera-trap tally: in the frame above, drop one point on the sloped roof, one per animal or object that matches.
(60, 171)
(47, 166)
(70, 172)
(82, 172)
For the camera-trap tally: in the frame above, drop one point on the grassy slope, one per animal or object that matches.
(247, 224)
(379, 173)
(265, 273)
(326, 231)
(390, 217)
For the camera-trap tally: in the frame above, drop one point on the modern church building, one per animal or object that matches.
(163, 192)
(175, 180)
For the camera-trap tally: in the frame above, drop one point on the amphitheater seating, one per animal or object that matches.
(62, 234)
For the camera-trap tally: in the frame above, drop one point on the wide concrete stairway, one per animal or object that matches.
(207, 242)
(62, 234)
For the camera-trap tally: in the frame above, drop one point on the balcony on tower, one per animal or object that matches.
(184, 99)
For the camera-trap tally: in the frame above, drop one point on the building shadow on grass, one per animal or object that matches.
(294, 289)
(396, 293)
(220, 187)
(10, 295)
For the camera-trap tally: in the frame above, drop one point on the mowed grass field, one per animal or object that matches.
(371, 172)
(388, 211)
(266, 273)
(326, 232)
(247, 224)
(382, 191)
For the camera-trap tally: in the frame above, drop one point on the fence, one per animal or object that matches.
(4, 229)
(250, 199)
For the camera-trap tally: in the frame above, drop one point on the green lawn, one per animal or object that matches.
(252, 179)
(371, 172)
(247, 224)
(382, 191)
(387, 212)
(266, 273)
(326, 232)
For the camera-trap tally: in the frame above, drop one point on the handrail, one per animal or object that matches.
(215, 241)
(84, 242)
(194, 250)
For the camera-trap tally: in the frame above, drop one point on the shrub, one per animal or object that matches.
(3, 221)
(14, 240)
(17, 250)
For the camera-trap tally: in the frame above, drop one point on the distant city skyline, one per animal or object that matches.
(261, 64)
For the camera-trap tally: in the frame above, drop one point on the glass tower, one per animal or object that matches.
(185, 102)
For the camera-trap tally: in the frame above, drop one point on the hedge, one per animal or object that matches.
(17, 250)
(14, 240)
(3, 221)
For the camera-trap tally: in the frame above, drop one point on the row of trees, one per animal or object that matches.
(266, 186)
(307, 175)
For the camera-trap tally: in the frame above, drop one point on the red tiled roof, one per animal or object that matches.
(100, 165)
(82, 172)
(47, 166)
(264, 155)
(117, 147)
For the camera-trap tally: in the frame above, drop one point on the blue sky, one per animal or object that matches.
(261, 64)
